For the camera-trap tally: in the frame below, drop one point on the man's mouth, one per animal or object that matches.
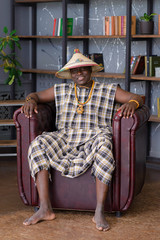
(80, 78)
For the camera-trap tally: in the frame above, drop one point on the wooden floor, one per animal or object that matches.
(141, 221)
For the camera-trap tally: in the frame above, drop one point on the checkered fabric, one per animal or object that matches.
(82, 140)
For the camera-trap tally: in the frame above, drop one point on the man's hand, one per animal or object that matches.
(34, 98)
(130, 102)
(29, 108)
(127, 109)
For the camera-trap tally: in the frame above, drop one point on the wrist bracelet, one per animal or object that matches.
(132, 100)
(29, 98)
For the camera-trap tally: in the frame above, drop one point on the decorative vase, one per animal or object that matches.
(146, 27)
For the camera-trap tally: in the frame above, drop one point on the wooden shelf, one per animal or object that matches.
(69, 37)
(37, 37)
(108, 75)
(154, 118)
(40, 71)
(43, 1)
(146, 36)
(86, 36)
(144, 78)
(6, 122)
(12, 102)
(8, 143)
(36, 1)
(97, 74)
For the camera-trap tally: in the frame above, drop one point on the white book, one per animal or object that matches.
(59, 26)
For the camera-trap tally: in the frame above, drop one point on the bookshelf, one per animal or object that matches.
(8, 122)
(86, 38)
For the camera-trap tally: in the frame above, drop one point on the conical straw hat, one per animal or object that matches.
(77, 60)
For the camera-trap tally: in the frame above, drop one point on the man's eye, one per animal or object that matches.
(74, 71)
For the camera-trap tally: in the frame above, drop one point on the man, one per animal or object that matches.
(84, 111)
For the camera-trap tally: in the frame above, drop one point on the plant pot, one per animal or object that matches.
(146, 27)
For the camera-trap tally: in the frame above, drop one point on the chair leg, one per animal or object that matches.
(118, 214)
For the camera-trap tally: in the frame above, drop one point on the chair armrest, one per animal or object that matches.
(122, 125)
(140, 116)
(129, 148)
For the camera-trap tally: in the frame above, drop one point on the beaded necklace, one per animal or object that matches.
(80, 108)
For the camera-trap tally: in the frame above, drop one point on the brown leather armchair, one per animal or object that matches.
(129, 141)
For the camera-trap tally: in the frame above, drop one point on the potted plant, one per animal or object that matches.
(147, 24)
(8, 58)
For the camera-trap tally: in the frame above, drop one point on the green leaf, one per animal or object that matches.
(10, 43)
(18, 45)
(17, 63)
(5, 30)
(5, 44)
(15, 38)
(19, 73)
(6, 70)
(12, 33)
(12, 80)
(147, 17)
(9, 61)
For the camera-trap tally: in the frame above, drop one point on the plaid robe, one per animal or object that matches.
(82, 140)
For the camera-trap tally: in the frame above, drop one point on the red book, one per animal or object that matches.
(54, 26)
(139, 66)
(133, 62)
(107, 25)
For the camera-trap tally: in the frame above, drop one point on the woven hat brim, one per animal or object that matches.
(65, 73)
(77, 60)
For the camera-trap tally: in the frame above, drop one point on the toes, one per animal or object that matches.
(30, 221)
(26, 222)
(101, 227)
(106, 229)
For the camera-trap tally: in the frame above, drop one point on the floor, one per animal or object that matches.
(141, 221)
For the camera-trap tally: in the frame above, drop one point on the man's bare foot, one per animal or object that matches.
(100, 221)
(40, 215)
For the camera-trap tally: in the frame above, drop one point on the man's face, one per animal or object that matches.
(81, 76)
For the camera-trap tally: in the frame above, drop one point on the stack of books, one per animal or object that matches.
(58, 26)
(151, 63)
(137, 64)
(116, 25)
